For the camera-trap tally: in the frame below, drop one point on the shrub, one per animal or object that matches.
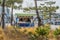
(40, 33)
(57, 34)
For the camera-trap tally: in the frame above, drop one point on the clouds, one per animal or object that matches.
(27, 3)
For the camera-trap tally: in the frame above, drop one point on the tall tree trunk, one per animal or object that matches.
(11, 14)
(3, 13)
(39, 20)
(50, 15)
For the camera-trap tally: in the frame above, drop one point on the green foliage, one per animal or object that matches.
(15, 7)
(14, 1)
(50, 9)
(57, 7)
(26, 9)
(47, 11)
(57, 32)
(29, 33)
(50, 3)
(10, 3)
(0, 2)
(34, 8)
(40, 33)
(33, 36)
(40, 8)
(19, 1)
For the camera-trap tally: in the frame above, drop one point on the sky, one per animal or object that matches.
(27, 3)
(30, 3)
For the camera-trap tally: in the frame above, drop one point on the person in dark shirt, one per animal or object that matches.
(28, 20)
(20, 19)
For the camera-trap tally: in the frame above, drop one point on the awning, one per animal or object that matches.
(24, 14)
